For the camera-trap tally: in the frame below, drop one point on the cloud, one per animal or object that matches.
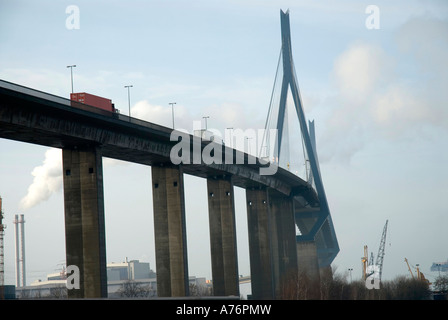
(163, 115)
(359, 69)
(358, 73)
(221, 116)
(388, 92)
(42, 79)
(47, 180)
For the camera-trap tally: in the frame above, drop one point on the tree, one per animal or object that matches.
(132, 289)
(200, 291)
(441, 283)
(58, 292)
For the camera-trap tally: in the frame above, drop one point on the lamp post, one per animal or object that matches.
(71, 73)
(248, 144)
(129, 99)
(231, 136)
(206, 117)
(172, 111)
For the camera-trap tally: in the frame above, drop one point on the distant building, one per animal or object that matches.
(129, 270)
(118, 276)
(440, 266)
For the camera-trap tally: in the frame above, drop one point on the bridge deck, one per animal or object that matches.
(37, 117)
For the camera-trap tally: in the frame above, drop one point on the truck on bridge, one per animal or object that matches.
(94, 101)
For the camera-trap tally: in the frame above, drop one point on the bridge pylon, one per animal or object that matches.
(315, 238)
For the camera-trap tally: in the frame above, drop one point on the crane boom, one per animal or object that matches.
(380, 256)
(410, 271)
(365, 261)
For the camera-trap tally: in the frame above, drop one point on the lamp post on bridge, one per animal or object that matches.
(71, 73)
(231, 136)
(206, 117)
(172, 111)
(248, 144)
(129, 100)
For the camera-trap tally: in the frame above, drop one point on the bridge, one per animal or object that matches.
(289, 222)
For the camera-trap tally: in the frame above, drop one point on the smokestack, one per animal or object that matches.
(20, 250)
(22, 230)
(2, 261)
(16, 232)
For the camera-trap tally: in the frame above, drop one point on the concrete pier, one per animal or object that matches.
(259, 231)
(284, 250)
(272, 242)
(223, 237)
(84, 220)
(170, 231)
(308, 263)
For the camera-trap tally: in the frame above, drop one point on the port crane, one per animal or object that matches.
(420, 275)
(379, 258)
(365, 262)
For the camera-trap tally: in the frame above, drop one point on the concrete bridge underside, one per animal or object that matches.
(85, 136)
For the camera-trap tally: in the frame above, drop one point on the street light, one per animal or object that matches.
(231, 137)
(205, 121)
(129, 99)
(248, 144)
(172, 111)
(71, 73)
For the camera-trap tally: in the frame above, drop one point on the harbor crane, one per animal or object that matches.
(367, 264)
(380, 256)
(420, 275)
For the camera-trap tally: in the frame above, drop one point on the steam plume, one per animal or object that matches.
(47, 180)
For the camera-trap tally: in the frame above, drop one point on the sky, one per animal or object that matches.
(377, 95)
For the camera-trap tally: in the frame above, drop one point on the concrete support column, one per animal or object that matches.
(307, 259)
(170, 232)
(84, 220)
(223, 237)
(259, 231)
(284, 250)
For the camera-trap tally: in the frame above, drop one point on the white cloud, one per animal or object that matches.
(41, 79)
(389, 93)
(221, 116)
(397, 108)
(359, 70)
(163, 115)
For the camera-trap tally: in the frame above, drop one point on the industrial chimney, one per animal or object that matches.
(20, 250)
(2, 261)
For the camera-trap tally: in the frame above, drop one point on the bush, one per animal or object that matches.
(336, 287)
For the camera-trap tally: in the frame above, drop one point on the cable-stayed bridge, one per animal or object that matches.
(289, 222)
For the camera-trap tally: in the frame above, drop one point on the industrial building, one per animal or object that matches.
(440, 266)
(129, 270)
(119, 275)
